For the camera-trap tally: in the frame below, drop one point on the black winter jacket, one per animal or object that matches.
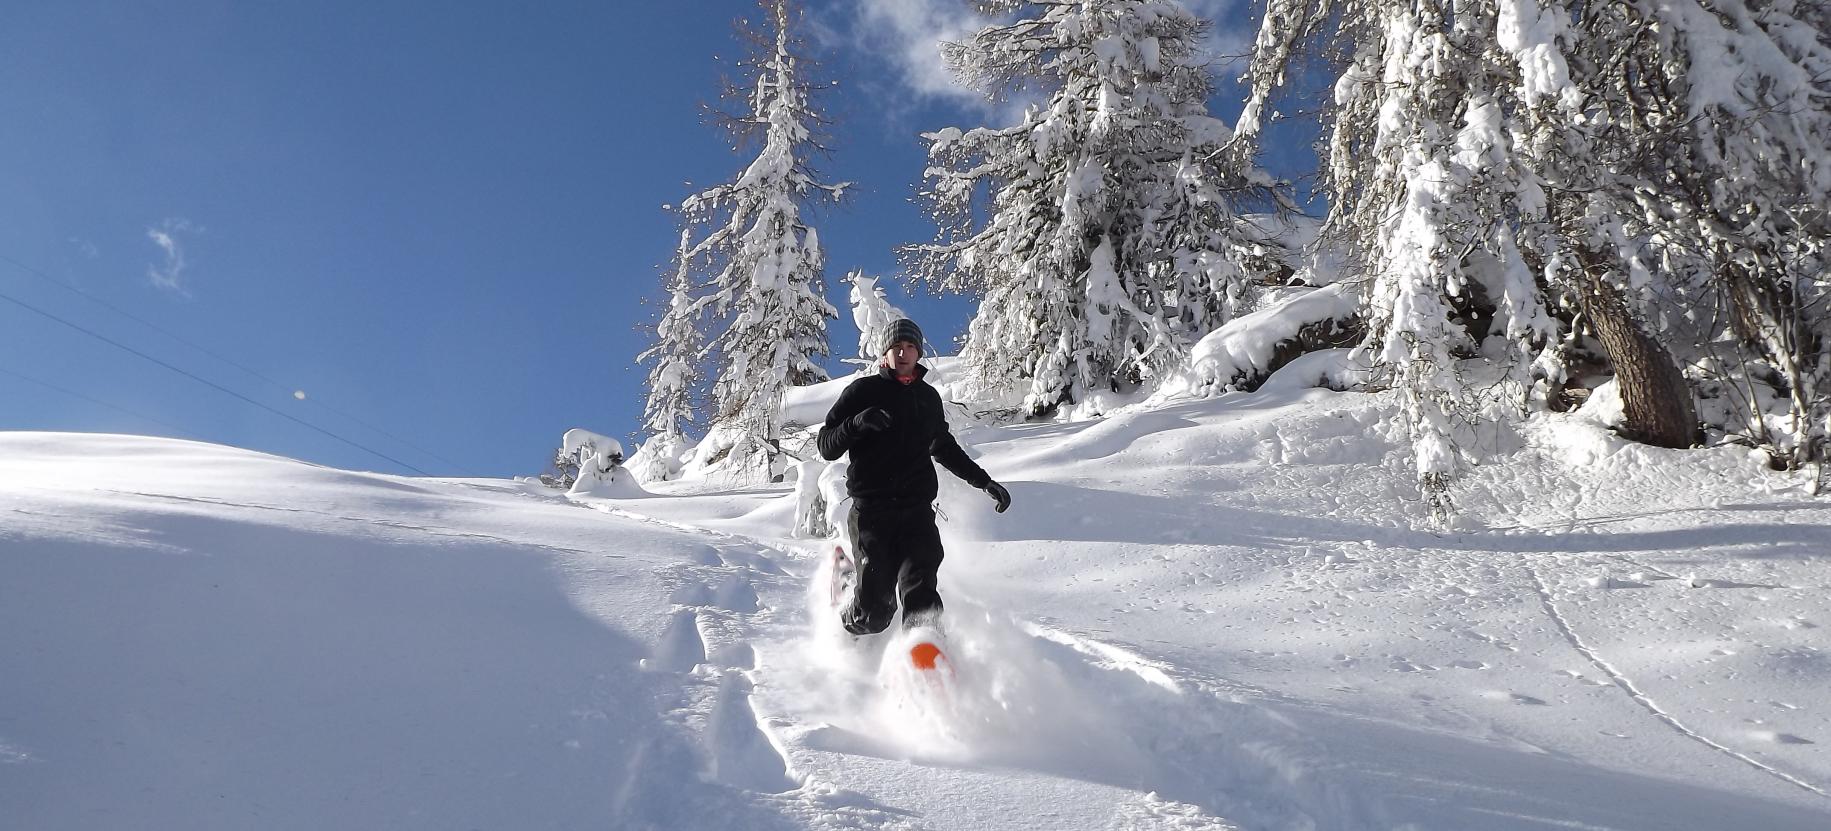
(893, 465)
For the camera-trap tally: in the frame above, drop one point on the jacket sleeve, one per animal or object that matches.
(836, 434)
(946, 450)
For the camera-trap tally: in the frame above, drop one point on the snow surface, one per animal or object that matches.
(1212, 614)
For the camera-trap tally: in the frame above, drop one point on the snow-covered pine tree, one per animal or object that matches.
(1514, 176)
(1110, 241)
(873, 313)
(1425, 196)
(674, 378)
(762, 261)
(1711, 122)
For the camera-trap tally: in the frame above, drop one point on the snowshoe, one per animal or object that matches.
(844, 579)
(919, 684)
(928, 655)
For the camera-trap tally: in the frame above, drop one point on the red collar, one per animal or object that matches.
(887, 372)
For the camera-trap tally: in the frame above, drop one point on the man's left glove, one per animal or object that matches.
(999, 495)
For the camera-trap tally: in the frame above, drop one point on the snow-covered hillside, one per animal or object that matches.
(1218, 614)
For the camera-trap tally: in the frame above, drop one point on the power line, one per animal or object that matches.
(218, 356)
(211, 384)
(100, 403)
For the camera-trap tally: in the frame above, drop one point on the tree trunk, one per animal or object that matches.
(1655, 398)
(1767, 319)
(1751, 308)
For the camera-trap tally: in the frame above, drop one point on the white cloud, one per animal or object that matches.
(1218, 10)
(1235, 27)
(169, 274)
(908, 35)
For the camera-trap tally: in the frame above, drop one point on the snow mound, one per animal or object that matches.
(1246, 349)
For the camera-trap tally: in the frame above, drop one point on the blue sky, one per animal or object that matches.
(437, 219)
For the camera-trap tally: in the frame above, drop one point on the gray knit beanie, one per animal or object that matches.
(903, 329)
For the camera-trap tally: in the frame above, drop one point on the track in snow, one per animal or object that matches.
(1627, 685)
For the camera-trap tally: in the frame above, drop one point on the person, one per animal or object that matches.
(892, 424)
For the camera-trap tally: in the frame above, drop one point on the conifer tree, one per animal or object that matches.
(1517, 177)
(1711, 128)
(755, 262)
(674, 378)
(1112, 241)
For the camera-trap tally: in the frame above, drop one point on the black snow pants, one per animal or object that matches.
(898, 551)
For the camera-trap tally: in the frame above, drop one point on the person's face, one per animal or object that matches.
(901, 357)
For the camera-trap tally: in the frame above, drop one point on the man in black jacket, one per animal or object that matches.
(893, 426)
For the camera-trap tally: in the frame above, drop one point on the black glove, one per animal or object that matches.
(999, 495)
(870, 421)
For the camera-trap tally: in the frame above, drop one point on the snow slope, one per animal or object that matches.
(1213, 614)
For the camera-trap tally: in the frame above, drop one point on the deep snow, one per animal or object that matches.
(1208, 614)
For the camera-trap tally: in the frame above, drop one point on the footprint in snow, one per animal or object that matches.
(736, 594)
(1578, 676)
(1780, 738)
(738, 557)
(742, 753)
(732, 655)
(681, 648)
(1516, 698)
(691, 593)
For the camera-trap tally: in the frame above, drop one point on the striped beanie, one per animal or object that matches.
(902, 329)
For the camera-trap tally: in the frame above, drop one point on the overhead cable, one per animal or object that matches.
(100, 403)
(207, 382)
(219, 356)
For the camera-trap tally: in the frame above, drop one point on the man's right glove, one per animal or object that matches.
(873, 420)
(999, 495)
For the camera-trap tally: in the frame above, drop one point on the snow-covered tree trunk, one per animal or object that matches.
(1786, 322)
(1657, 405)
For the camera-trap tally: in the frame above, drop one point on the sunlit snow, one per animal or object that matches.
(1226, 613)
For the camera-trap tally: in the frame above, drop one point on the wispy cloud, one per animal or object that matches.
(1235, 26)
(168, 274)
(907, 34)
(1225, 13)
